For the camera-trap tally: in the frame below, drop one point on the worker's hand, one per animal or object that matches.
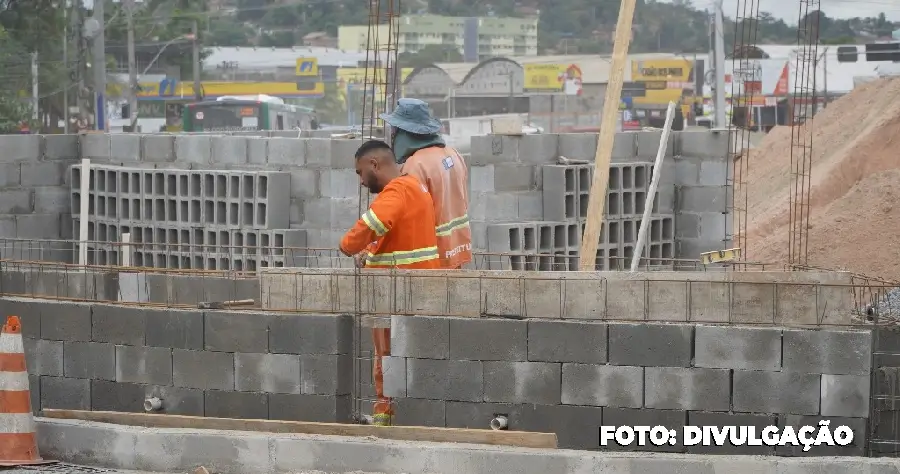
(360, 259)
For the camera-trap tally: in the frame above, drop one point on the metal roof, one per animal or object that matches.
(250, 58)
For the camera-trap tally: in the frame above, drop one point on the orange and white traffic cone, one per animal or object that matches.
(18, 443)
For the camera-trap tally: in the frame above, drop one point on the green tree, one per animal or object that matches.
(431, 54)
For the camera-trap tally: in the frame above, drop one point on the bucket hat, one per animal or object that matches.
(413, 116)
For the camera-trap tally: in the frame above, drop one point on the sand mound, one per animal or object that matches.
(854, 216)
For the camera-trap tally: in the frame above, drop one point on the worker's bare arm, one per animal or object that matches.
(374, 223)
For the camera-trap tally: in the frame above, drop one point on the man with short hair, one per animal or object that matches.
(420, 150)
(397, 231)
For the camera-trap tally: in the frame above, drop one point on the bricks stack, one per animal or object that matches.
(571, 377)
(191, 219)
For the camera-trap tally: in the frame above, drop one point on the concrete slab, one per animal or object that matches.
(231, 452)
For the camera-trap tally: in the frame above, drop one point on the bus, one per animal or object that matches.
(245, 113)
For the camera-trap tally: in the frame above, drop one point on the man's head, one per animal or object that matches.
(375, 165)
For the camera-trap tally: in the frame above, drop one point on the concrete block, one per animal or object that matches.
(776, 392)
(493, 149)
(539, 149)
(759, 422)
(701, 198)
(8, 229)
(394, 372)
(42, 174)
(454, 380)
(478, 415)
(420, 337)
(125, 147)
(510, 177)
(855, 448)
(575, 427)
(648, 145)
(194, 149)
(65, 321)
(117, 396)
(704, 144)
(713, 173)
(326, 374)
(660, 345)
(177, 400)
(246, 405)
(565, 341)
(201, 369)
(318, 153)
(671, 419)
(687, 388)
(229, 151)
(687, 225)
(20, 148)
(531, 205)
(732, 347)
(272, 373)
(10, 173)
(319, 408)
(578, 146)
(118, 324)
(65, 393)
(481, 179)
(38, 226)
(419, 412)
(602, 385)
(522, 382)
(624, 148)
(488, 339)
(146, 365)
(286, 151)
(311, 334)
(34, 387)
(828, 351)
(43, 357)
(343, 153)
(52, 200)
(236, 331)
(61, 147)
(257, 151)
(28, 312)
(89, 360)
(94, 146)
(173, 328)
(158, 148)
(845, 395)
(339, 183)
(16, 201)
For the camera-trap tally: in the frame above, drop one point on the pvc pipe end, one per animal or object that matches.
(499, 423)
(152, 404)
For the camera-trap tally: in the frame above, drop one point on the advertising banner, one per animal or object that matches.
(552, 79)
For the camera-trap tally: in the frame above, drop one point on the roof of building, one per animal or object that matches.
(273, 58)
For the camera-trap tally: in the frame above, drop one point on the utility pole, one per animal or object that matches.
(198, 93)
(66, 67)
(34, 86)
(99, 48)
(719, 66)
(132, 67)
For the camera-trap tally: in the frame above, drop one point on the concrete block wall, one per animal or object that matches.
(570, 377)
(203, 363)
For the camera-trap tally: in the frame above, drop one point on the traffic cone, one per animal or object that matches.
(18, 443)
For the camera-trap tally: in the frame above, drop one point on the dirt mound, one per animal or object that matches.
(854, 215)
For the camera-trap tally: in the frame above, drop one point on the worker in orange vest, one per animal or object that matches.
(396, 231)
(420, 150)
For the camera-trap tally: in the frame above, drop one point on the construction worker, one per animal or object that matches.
(419, 148)
(397, 231)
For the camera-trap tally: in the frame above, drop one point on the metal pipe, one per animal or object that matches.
(499, 422)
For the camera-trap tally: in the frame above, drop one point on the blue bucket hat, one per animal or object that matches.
(413, 116)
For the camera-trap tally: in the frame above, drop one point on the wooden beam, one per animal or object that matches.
(597, 199)
(520, 439)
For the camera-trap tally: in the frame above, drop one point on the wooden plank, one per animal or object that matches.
(597, 197)
(521, 439)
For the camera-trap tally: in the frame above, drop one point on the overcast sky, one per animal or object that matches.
(788, 9)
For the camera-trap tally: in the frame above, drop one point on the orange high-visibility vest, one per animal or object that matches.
(400, 221)
(444, 173)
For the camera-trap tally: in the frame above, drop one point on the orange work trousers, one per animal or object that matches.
(383, 411)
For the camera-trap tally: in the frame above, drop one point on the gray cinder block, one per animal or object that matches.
(420, 337)
(522, 382)
(481, 179)
(730, 347)
(661, 345)
(318, 152)
(61, 147)
(759, 422)
(855, 448)
(326, 374)
(456, 380)
(21, 148)
(202, 369)
(118, 324)
(578, 146)
(419, 412)
(828, 351)
(648, 145)
(575, 427)
(65, 321)
(94, 146)
(52, 200)
(147, 365)
(478, 415)
(16, 201)
(236, 331)
(845, 395)
(339, 183)
(176, 400)
(89, 360)
(602, 385)
(311, 334)
(272, 373)
(319, 408)
(257, 151)
(713, 173)
(343, 153)
(286, 151)
(775, 392)
(492, 149)
(173, 328)
(65, 393)
(195, 149)
(394, 371)
(42, 174)
(671, 419)
(229, 151)
(488, 339)
(539, 149)
(564, 341)
(227, 404)
(687, 388)
(510, 177)
(29, 312)
(39, 226)
(125, 147)
(704, 144)
(702, 198)
(43, 357)
(158, 148)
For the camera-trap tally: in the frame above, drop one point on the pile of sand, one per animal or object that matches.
(854, 215)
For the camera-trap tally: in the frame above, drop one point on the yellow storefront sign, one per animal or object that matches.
(349, 77)
(307, 67)
(212, 90)
(543, 77)
(665, 80)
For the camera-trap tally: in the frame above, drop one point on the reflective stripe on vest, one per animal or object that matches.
(444, 230)
(403, 257)
(374, 223)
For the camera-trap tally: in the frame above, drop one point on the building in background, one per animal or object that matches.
(474, 38)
